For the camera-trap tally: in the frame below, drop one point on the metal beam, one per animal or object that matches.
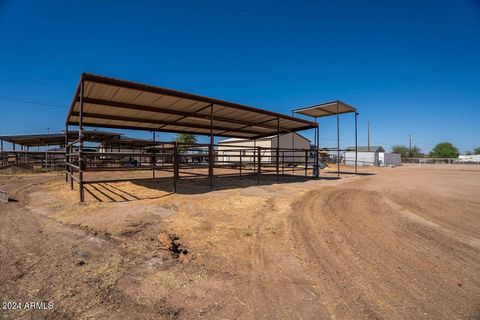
(195, 112)
(123, 105)
(159, 122)
(257, 124)
(96, 125)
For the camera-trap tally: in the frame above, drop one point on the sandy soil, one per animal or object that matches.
(392, 243)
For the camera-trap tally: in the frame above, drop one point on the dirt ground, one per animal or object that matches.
(391, 243)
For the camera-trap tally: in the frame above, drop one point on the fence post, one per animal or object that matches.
(240, 164)
(259, 166)
(175, 166)
(306, 162)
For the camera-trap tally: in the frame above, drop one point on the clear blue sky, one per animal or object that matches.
(409, 66)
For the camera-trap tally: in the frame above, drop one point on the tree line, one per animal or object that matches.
(441, 150)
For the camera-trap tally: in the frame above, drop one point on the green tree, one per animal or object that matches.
(476, 151)
(405, 152)
(468, 153)
(186, 138)
(444, 150)
(401, 149)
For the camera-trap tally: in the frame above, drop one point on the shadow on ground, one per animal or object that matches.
(111, 191)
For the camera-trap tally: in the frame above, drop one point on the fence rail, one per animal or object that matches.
(439, 161)
(47, 160)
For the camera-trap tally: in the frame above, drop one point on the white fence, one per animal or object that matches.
(439, 161)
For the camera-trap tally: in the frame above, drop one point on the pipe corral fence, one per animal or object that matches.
(187, 160)
(46, 160)
(103, 102)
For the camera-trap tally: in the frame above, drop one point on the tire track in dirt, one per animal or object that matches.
(372, 261)
(280, 291)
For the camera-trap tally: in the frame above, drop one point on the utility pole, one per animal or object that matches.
(410, 142)
(368, 136)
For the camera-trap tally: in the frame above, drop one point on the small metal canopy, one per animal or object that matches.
(332, 108)
(54, 139)
(114, 103)
(326, 109)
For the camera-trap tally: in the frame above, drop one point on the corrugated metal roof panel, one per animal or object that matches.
(124, 104)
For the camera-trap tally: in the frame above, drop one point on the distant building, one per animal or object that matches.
(371, 156)
(469, 158)
(230, 149)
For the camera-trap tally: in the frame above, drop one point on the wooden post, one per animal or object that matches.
(283, 162)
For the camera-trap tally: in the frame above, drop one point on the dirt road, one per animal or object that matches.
(401, 243)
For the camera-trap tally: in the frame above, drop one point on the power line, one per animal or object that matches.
(33, 101)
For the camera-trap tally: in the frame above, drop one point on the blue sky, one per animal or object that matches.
(410, 67)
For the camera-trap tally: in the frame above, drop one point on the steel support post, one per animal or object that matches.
(277, 155)
(306, 162)
(259, 162)
(175, 166)
(240, 163)
(338, 143)
(356, 142)
(80, 145)
(318, 148)
(71, 168)
(293, 150)
(154, 158)
(254, 154)
(210, 151)
(66, 154)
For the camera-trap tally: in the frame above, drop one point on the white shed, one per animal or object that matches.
(230, 149)
(366, 156)
(372, 156)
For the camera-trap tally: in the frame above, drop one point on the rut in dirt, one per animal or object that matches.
(373, 262)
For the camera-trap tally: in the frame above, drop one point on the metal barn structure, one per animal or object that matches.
(333, 108)
(232, 148)
(25, 148)
(112, 103)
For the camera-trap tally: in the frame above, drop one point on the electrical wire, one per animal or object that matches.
(33, 101)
